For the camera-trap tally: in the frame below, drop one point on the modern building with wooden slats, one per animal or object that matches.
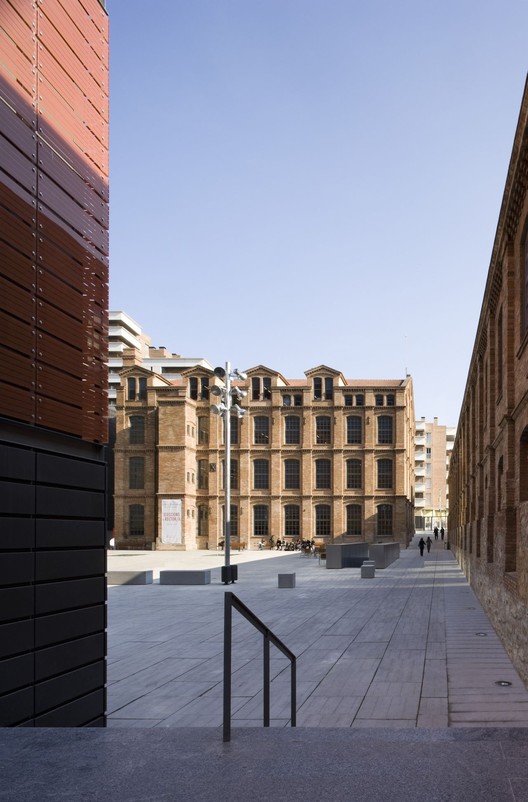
(53, 360)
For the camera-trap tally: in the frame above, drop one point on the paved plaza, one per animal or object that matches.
(410, 648)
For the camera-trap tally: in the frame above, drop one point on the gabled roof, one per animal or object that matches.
(264, 369)
(324, 369)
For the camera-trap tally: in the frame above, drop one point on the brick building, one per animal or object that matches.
(323, 457)
(488, 480)
(53, 374)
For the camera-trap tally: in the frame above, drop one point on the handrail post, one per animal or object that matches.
(228, 623)
(293, 693)
(266, 680)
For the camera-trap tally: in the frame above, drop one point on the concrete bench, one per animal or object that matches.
(129, 577)
(368, 569)
(286, 580)
(384, 554)
(198, 577)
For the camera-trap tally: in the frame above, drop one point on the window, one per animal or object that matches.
(297, 400)
(390, 400)
(428, 452)
(203, 520)
(203, 430)
(261, 474)
(384, 474)
(204, 392)
(323, 474)
(261, 520)
(193, 388)
(353, 519)
(353, 474)
(286, 400)
(136, 435)
(384, 522)
(378, 400)
(261, 430)
(329, 388)
(234, 474)
(318, 389)
(292, 430)
(323, 429)
(322, 520)
(136, 520)
(234, 430)
(348, 400)
(292, 520)
(385, 435)
(131, 389)
(499, 353)
(142, 395)
(203, 474)
(256, 393)
(360, 400)
(353, 433)
(292, 474)
(136, 473)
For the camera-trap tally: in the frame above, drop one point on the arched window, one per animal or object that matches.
(261, 520)
(193, 388)
(292, 430)
(136, 473)
(385, 430)
(292, 474)
(353, 474)
(292, 520)
(385, 478)
(233, 521)
(384, 519)
(323, 520)
(353, 432)
(323, 474)
(323, 429)
(353, 519)
(203, 520)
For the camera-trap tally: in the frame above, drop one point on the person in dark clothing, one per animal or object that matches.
(436, 532)
(421, 546)
(442, 533)
(428, 543)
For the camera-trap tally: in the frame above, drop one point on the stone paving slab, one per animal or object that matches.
(399, 650)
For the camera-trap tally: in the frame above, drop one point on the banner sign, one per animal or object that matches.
(171, 512)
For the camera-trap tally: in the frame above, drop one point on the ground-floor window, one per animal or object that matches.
(292, 520)
(136, 520)
(261, 520)
(384, 519)
(323, 517)
(353, 519)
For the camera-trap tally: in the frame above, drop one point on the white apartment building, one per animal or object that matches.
(433, 447)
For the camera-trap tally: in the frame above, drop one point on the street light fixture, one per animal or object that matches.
(227, 407)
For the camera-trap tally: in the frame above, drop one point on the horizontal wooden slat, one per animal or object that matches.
(18, 267)
(55, 415)
(72, 213)
(16, 368)
(18, 131)
(17, 165)
(54, 291)
(58, 385)
(16, 402)
(66, 176)
(58, 354)
(57, 124)
(53, 228)
(56, 261)
(16, 300)
(17, 335)
(57, 323)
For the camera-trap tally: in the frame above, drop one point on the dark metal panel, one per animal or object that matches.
(16, 603)
(75, 714)
(60, 501)
(72, 563)
(57, 596)
(55, 534)
(16, 403)
(54, 692)
(17, 568)
(17, 499)
(16, 638)
(16, 707)
(55, 415)
(15, 672)
(51, 629)
(16, 463)
(17, 533)
(68, 656)
(68, 472)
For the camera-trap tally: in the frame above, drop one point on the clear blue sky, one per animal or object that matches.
(297, 182)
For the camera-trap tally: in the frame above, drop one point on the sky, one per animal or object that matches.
(305, 182)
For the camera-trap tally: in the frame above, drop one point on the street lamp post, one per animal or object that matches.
(228, 405)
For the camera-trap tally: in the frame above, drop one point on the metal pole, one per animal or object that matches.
(266, 693)
(227, 469)
(228, 622)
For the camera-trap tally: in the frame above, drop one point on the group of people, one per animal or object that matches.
(306, 546)
(422, 544)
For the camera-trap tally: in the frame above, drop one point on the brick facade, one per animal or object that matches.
(488, 482)
(294, 441)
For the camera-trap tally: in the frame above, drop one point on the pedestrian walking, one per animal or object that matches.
(428, 543)
(436, 532)
(442, 533)
(421, 546)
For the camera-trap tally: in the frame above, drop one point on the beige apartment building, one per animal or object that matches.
(321, 458)
(433, 447)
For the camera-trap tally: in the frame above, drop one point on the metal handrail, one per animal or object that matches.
(231, 601)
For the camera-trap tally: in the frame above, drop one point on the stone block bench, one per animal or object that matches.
(129, 577)
(368, 569)
(198, 577)
(286, 580)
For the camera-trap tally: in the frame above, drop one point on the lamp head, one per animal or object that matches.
(218, 409)
(215, 390)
